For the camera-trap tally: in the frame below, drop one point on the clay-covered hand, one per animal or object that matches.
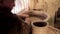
(25, 15)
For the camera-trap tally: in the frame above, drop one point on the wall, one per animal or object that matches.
(48, 6)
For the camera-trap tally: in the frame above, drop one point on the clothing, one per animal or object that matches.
(8, 20)
(26, 29)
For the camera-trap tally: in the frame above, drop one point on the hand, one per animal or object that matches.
(25, 15)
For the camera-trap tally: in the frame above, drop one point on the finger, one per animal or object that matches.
(28, 21)
(24, 12)
(23, 15)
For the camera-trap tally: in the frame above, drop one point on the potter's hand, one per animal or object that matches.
(25, 15)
